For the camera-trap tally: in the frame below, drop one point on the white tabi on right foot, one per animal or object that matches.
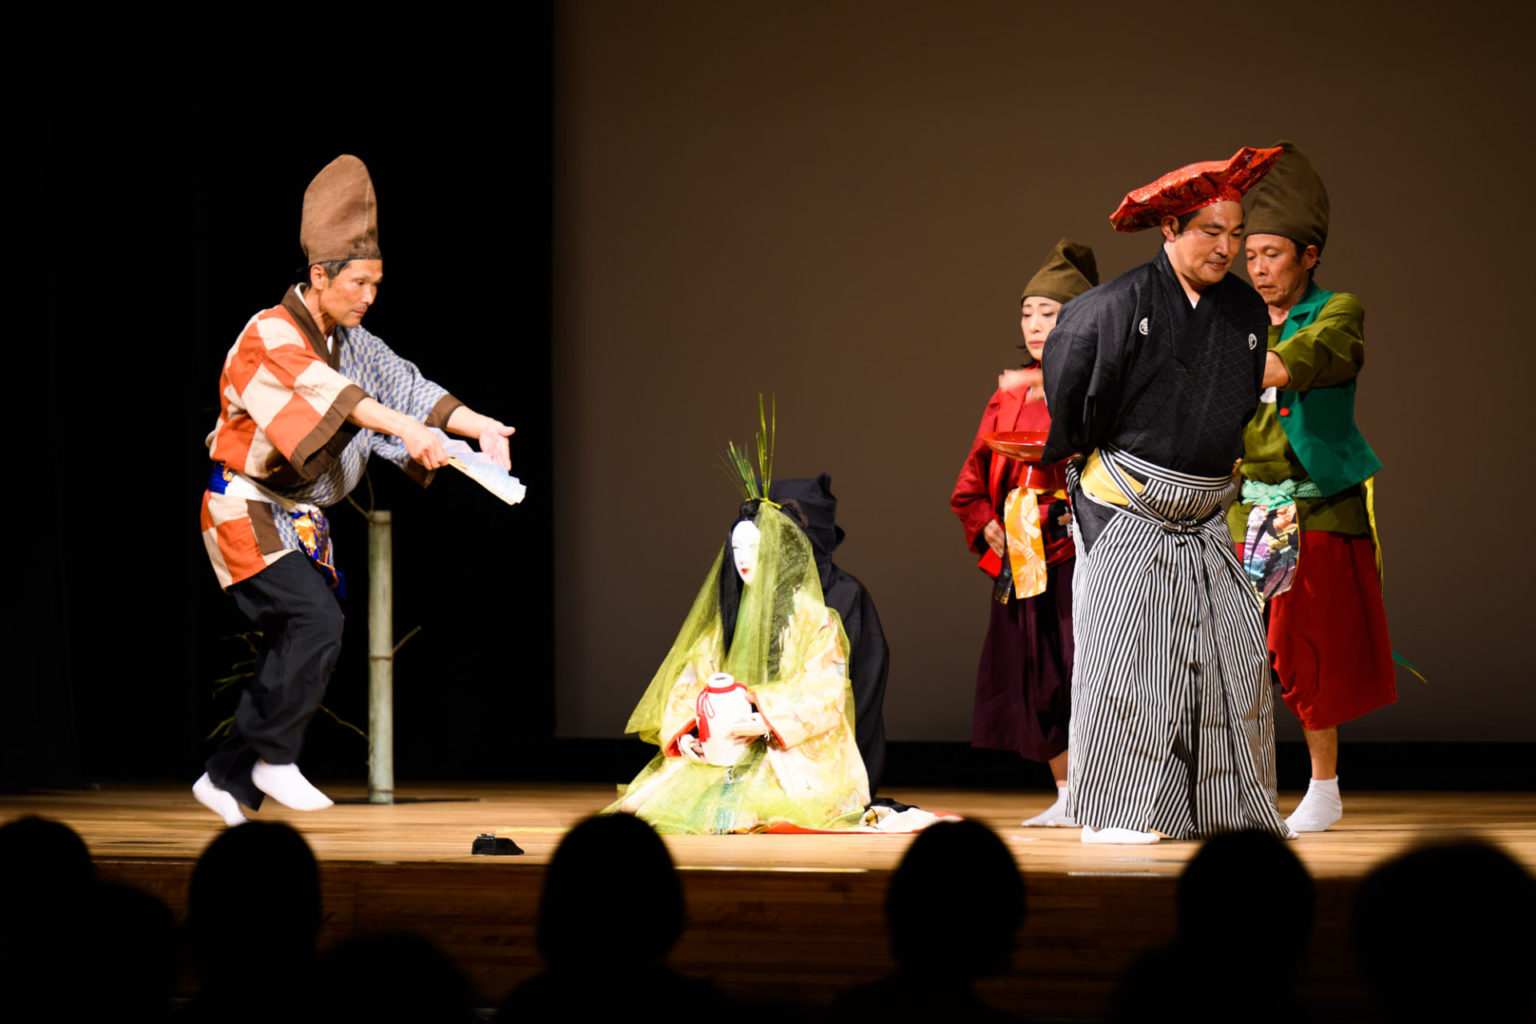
(1320, 808)
(219, 801)
(288, 786)
(1054, 816)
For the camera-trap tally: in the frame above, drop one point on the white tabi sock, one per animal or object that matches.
(288, 786)
(1320, 808)
(219, 801)
(1054, 816)
(1121, 836)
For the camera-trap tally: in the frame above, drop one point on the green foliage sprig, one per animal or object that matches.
(754, 485)
(243, 669)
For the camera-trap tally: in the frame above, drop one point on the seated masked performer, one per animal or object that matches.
(1023, 684)
(1304, 459)
(760, 618)
(869, 657)
(1151, 379)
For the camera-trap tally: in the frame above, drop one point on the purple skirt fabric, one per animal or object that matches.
(1024, 682)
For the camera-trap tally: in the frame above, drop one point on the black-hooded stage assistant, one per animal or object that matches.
(869, 657)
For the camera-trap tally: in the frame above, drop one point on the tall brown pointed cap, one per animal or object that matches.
(1290, 201)
(341, 214)
(1067, 272)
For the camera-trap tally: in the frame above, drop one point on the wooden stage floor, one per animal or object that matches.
(775, 917)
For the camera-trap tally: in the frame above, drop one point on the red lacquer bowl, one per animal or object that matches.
(1027, 446)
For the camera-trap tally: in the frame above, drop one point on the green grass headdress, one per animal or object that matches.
(754, 485)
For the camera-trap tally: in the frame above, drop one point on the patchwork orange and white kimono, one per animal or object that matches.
(282, 440)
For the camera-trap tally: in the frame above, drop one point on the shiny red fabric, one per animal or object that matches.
(1024, 679)
(986, 477)
(1328, 633)
(1193, 186)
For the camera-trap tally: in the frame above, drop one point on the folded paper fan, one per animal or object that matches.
(482, 470)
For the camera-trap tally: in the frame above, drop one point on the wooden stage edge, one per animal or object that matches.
(770, 917)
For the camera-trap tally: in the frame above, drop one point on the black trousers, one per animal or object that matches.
(300, 621)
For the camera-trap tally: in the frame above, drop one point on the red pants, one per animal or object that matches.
(1328, 633)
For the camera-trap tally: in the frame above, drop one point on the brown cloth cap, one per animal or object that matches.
(1067, 272)
(1290, 201)
(341, 214)
(1192, 187)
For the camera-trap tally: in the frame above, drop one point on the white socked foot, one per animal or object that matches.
(288, 786)
(219, 801)
(1120, 836)
(1320, 808)
(1054, 816)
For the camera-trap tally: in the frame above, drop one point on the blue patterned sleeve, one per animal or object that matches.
(396, 382)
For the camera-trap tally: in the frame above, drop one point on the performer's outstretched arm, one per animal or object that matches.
(424, 446)
(492, 434)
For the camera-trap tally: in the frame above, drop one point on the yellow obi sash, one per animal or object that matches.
(1097, 481)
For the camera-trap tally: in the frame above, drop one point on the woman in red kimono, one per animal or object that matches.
(1024, 682)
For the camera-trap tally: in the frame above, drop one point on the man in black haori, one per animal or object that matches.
(1150, 380)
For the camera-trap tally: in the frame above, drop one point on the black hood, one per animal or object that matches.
(820, 507)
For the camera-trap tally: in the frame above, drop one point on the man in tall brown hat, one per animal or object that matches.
(1150, 379)
(306, 396)
(1307, 466)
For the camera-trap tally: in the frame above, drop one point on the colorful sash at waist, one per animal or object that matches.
(1096, 480)
(309, 523)
(1256, 492)
(1029, 555)
(1166, 521)
(1178, 502)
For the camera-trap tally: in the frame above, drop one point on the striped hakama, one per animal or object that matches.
(1172, 713)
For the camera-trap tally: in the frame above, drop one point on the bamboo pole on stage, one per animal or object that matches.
(381, 659)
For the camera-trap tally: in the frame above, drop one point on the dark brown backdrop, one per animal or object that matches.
(838, 204)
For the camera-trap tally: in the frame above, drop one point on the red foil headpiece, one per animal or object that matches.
(1189, 188)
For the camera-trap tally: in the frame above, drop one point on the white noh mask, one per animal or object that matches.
(744, 541)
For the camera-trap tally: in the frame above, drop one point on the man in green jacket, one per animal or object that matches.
(1305, 464)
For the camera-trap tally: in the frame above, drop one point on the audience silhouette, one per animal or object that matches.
(611, 911)
(1245, 908)
(1440, 935)
(953, 910)
(1443, 933)
(71, 948)
(389, 979)
(135, 956)
(47, 902)
(253, 915)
